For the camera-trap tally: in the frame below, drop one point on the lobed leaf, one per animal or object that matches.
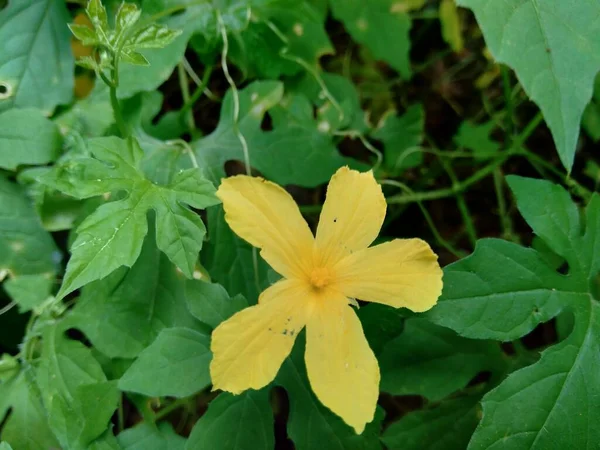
(112, 236)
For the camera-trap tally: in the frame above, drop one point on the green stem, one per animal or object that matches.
(438, 237)
(185, 93)
(189, 104)
(505, 219)
(114, 101)
(176, 404)
(477, 176)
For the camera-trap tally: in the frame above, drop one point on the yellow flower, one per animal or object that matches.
(322, 276)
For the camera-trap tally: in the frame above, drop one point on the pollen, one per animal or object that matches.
(320, 277)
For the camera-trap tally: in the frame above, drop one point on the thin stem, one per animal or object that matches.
(235, 127)
(326, 92)
(114, 101)
(505, 219)
(7, 308)
(357, 134)
(438, 237)
(201, 83)
(462, 204)
(235, 94)
(185, 94)
(176, 404)
(477, 176)
(199, 90)
(187, 148)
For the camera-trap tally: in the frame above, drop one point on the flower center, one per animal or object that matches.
(320, 277)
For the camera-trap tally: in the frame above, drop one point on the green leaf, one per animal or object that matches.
(78, 398)
(381, 324)
(91, 116)
(476, 137)
(235, 422)
(295, 152)
(311, 424)
(163, 48)
(127, 16)
(379, 25)
(453, 421)
(85, 34)
(112, 236)
(27, 414)
(37, 68)
(107, 441)
(149, 437)
(502, 291)
(97, 14)
(549, 211)
(338, 108)
(135, 58)
(25, 247)
(229, 260)
(149, 295)
(210, 303)
(27, 137)
(549, 404)
(29, 291)
(5, 446)
(281, 33)
(175, 364)
(402, 137)
(543, 41)
(222, 145)
(432, 361)
(591, 121)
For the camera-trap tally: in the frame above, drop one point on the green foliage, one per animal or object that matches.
(410, 363)
(376, 24)
(503, 290)
(27, 137)
(455, 420)
(112, 284)
(543, 42)
(112, 236)
(311, 424)
(37, 70)
(107, 308)
(242, 422)
(149, 437)
(175, 365)
(76, 394)
(401, 137)
(125, 40)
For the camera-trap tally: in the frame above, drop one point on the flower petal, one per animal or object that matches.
(249, 347)
(266, 216)
(352, 215)
(400, 273)
(342, 369)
